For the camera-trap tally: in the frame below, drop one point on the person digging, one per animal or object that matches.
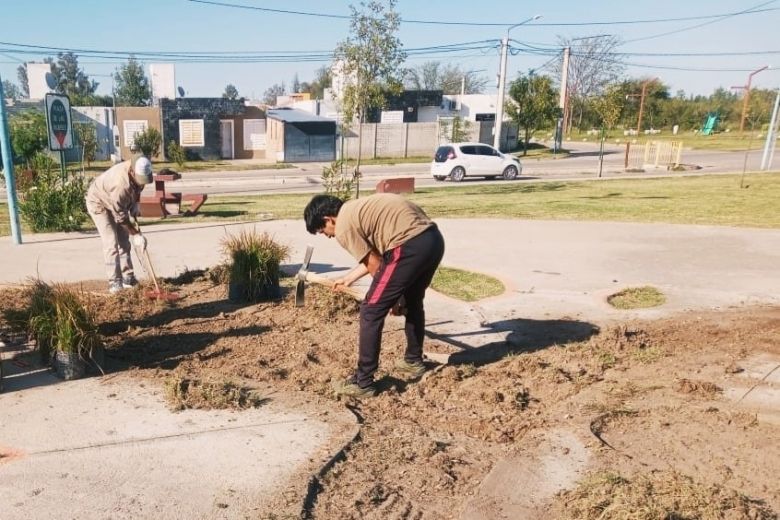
(393, 240)
(112, 202)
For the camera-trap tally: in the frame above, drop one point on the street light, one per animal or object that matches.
(747, 96)
(502, 81)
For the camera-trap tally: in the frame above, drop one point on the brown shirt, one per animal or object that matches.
(378, 223)
(112, 191)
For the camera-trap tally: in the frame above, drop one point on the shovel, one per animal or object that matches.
(305, 276)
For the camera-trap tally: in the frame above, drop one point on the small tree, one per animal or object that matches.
(149, 142)
(87, 136)
(10, 90)
(231, 92)
(335, 182)
(28, 135)
(609, 106)
(176, 153)
(533, 104)
(132, 86)
(370, 60)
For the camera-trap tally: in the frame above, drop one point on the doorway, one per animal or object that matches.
(226, 136)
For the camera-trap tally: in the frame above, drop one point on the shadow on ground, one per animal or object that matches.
(524, 335)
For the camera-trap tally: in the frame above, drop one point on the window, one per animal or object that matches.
(133, 127)
(469, 150)
(191, 132)
(487, 150)
(254, 134)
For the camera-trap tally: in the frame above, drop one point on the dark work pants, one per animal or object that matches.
(406, 271)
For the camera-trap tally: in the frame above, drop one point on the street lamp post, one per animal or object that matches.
(502, 81)
(747, 96)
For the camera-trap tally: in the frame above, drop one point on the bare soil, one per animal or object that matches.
(657, 405)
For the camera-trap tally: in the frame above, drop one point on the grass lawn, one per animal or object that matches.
(726, 141)
(706, 199)
(99, 167)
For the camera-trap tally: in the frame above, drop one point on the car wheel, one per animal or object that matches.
(457, 174)
(510, 173)
(439, 177)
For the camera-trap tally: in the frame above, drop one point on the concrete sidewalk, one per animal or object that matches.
(122, 455)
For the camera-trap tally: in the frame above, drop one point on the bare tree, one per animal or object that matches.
(593, 66)
(449, 78)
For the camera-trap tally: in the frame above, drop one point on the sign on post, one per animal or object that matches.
(59, 122)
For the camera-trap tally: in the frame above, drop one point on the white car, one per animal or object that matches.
(458, 160)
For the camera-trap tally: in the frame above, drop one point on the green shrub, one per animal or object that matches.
(149, 142)
(28, 135)
(176, 153)
(51, 203)
(253, 265)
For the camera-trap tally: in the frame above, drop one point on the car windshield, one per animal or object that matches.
(443, 153)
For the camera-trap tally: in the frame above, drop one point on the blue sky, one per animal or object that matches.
(186, 26)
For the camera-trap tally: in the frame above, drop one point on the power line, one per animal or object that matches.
(692, 27)
(482, 24)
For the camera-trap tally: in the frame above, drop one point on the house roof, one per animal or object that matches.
(293, 115)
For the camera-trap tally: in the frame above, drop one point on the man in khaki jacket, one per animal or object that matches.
(112, 202)
(395, 241)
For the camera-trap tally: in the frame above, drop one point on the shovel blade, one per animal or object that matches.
(300, 288)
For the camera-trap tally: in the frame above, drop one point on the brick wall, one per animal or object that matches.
(210, 110)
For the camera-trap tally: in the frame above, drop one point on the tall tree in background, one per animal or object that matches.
(132, 87)
(592, 67)
(72, 80)
(272, 92)
(296, 84)
(370, 60)
(231, 92)
(322, 80)
(449, 78)
(533, 105)
(10, 90)
(21, 74)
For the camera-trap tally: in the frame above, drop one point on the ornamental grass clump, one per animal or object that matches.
(253, 266)
(62, 324)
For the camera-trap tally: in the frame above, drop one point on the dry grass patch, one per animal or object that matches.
(466, 285)
(183, 393)
(637, 298)
(656, 495)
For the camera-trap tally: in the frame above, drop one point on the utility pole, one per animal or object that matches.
(8, 166)
(641, 107)
(563, 99)
(502, 82)
(771, 137)
(747, 96)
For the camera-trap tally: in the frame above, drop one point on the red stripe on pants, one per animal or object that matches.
(386, 275)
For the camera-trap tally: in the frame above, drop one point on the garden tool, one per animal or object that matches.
(156, 293)
(305, 276)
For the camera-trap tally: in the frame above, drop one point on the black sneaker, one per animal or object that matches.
(128, 282)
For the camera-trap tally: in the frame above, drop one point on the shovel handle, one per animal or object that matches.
(151, 269)
(329, 282)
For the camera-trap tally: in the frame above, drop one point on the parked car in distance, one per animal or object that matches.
(460, 160)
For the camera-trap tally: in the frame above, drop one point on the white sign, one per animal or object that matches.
(59, 122)
(392, 116)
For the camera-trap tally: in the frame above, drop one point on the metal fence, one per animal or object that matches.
(653, 155)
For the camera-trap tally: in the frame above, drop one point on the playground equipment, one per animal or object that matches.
(711, 124)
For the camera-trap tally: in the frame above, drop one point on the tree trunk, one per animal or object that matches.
(525, 142)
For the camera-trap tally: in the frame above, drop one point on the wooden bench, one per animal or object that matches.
(163, 204)
(397, 185)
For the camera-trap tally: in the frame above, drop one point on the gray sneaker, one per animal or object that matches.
(115, 286)
(350, 388)
(414, 370)
(128, 282)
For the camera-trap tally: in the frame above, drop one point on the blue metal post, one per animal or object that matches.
(8, 166)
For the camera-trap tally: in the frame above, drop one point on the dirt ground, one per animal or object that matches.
(660, 408)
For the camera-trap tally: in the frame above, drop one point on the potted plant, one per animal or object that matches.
(253, 266)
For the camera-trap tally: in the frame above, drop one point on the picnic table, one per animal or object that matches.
(163, 204)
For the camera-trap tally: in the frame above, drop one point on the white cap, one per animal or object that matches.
(142, 171)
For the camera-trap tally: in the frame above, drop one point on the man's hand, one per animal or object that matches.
(340, 285)
(139, 241)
